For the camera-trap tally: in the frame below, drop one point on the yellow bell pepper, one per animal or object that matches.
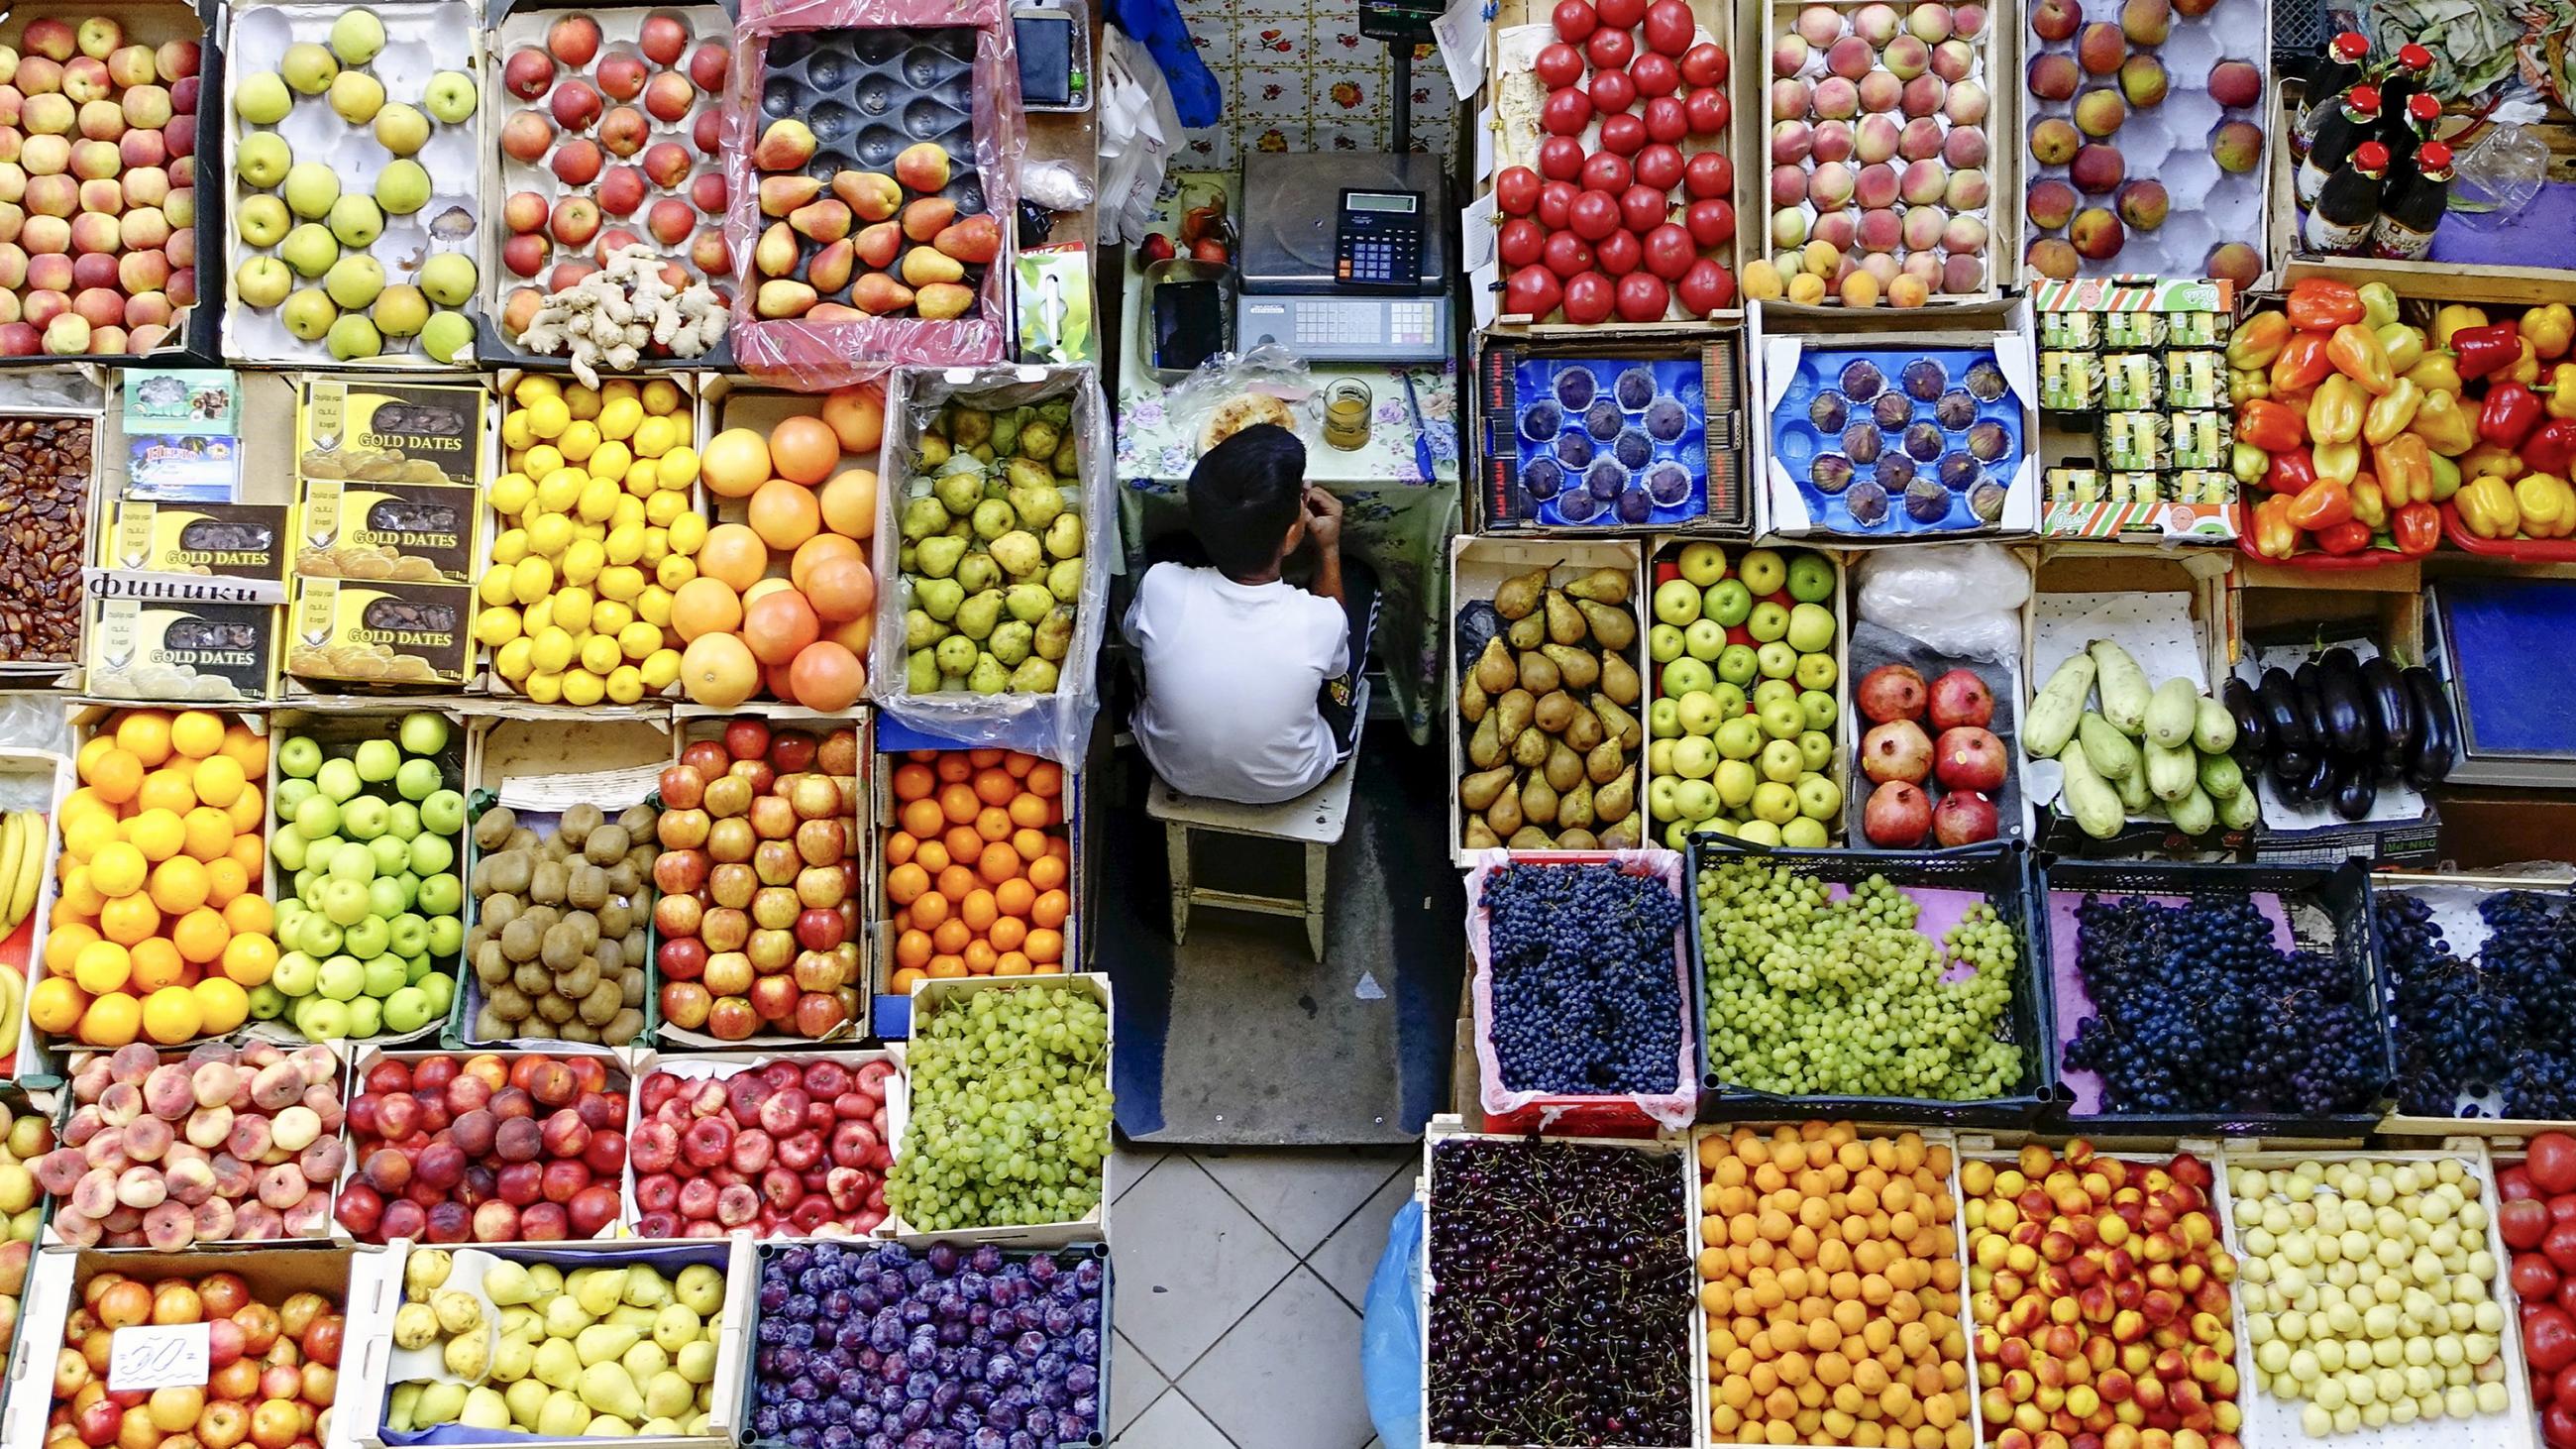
(2446, 478)
(2405, 469)
(2405, 345)
(2378, 304)
(2244, 384)
(2487, 506)
(2560, 400)
(2547, 505)
(2525, 368)
(2447, 426)
(2335, 408)
(2436, 372)
(2486, 460)
(2389, 415)
(2454, 317)
(2258, 340)
(2369, 504)
(2355, 352)
(2551, 330)
(2337, 462)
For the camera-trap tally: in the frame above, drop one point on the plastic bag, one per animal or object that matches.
(1961, 599)
(1391, 1332)
(817, 356)
(1056, 725)
(1269, 370)
(1138, 129)
(2498, 176)
(1054, 185)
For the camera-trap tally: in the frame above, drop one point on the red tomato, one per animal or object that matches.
(1520, 241)
(1707, 287)
(2560, 1246)
(1656, 75)
(1575, 19)
(1659, 166)
(1516, 187)
(1669, 253)
(2534, 1277)
(1666, 120)
(1706, 111)
(2523, 1224)
(2549, 1338)
(1566, 113)
(1709, 173)
(1668, 27)
(1619, 253)
(1610, 49)
(1711, 222)
(1704, 65)
(1595, 214)
(1622, 134)
(1588, 298)
(1208, 249)
(1557, 65)
(2515, 1182)
(1606, 171)
(1621, 14)
(2560, 1386)
(1556, 204)
(1560, 158)
(1643, 297)
(2561, 1207)
(2558, 1426)
(1642, 209)
(2552, 1163)
(1532, 291)
(1566, 254)
(1612, 91)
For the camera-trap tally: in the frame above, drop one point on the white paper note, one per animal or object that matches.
(1460, 29)
(157, 1356)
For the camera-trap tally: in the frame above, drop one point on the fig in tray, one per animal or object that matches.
(313, 239)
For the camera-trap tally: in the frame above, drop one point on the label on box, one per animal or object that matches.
(373, 432)
(227, 540)
(180, 649)
(406, 532)
(157, 1356)
(380, 633)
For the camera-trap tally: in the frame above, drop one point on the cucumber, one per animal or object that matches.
(2050, 722)
(2171, 773)
(2193, 814)
(2107, 750)
(2123, 685)
(2090, 799)
(2213, 728)
(2171, 711)
(2220, 776)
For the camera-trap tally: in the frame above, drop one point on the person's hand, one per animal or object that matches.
(1323, 518)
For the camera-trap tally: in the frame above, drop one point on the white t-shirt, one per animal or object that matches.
(1231, 676)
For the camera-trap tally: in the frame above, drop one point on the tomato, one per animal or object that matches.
(1642, 209)
(1556, 204)
(2549, 1338)
(1557, 65)
(2560, 1246)
(1643, 297)
(1655, 75)
(1622, 134)
(1519, 241)
(1711, 222)
(1516, 187)
(1566, 254)
(1668, 27)
(2562, 1208)
(1587, 297)
(1606, 171)
(1610, 49)
(1669, 253)
(1566, 113)
(1658, 166)
(2561, 1386)
(1595, 214)
(1706, 111)
(1575, 19)
(2515, 1182)
(1666, 120)
(1209, 249)
(1620, 14)
(1531, 292)
(1709, 173)
(1619, 253)
(2558, 1426)
(2534, 1277)
(1707, 287)
(1560, 158)
(2552, 1163)
(1612, 91)
(1704, 65)
(2523, 1224)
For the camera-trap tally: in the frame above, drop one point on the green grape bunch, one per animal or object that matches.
(1808, 995)
(1010, 1111)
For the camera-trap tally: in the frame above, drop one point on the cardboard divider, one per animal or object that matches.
(2455, 901)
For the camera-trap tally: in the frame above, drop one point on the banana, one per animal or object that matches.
(13, 845)
(31, 865)
(13, 998)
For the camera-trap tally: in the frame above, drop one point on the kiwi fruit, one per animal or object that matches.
(630, 987)
(493, 830)
(509, 872)
(522, 839)
(562, 947)
(589, 886)
(579, 1031)
(606, 846)
(510, 1003)
(546, 883)
(639, 820)
(561, 934)
(577, 824)
(577, 981)
(624, 1027)
(603, 1001)
(626, 878)
(533, 979)
(498, 909)
(522, 939)
(616, 916)
(490, 966)
(554, 1008)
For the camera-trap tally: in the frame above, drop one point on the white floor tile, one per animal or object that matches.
(1288, 1375)
(1128, 1165)
(1171, 1424)
(1189, 1262)
(1351, 1254)
(1133, 1383)
(1303, 1195)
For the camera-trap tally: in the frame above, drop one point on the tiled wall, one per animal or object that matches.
(1297, 75)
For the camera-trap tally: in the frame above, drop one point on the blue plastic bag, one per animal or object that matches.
(1391, 1333)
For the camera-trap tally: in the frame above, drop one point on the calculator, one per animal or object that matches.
(1377, 240)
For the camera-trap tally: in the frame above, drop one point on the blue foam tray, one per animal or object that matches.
(1831, 411)
(1554, 461)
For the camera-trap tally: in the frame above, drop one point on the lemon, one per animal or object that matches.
(580, 686)
(625, 543)
(661, 396)
(665, 510)
(618, 418)
(548, 417)
(674, 571)
(511, 660)
(582, 561)
(532, 579)
(550, 535)
(497, 626)
(653, 606)
(538, 615)
(572, 609)
(611, 459)
(584, 402)
(598, 499)
(688, 534)
(608, 616)
(639, 640)
(495, 587)
(620, 387)
(626, 684)
(661, 668)
(511, 493)
(514, 432)
(655, 436)
(554, 650)
(641, 481)
(545, 688)
(629, 509)
(599, 653)
(533, 386)
(560, 488)
(580, 441)
(510, 547)
(622, 582)
(678, 468)
(683, 430)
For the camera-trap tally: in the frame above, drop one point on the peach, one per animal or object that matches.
(1875, 188)
(1964, 234)
(1817, 24)
(1954, 60)
(1908, 291)
(46, 236)
(1967, 190)
(2097, 169)
(2096, 233)
(1908, 56)
(101, 307)
(1835, 229)
(96, 269)
(147, 106)
(1966, 104)
(1830, 186)
(45, 155)
(1790, 143)
(1875, 23)
(54, 39)
(1789, 55)
(1880, 91)
(1921, 140)
(38, 75)
(2142, 204)
(1833, 141)
(2146, 22)
(2053, 142)
(96, 160)
(42, 307)
(102, 120)
(2235, 83)
(143, 150)
(2238, 262)
(1963, 273)
(1922, 232)
(1788, 185)
(13, 142)
(2050, 204)
(85, 79)
(1880, 231)
(2143, 81)
(95, 231)
(2101, 48)
(1965, 146)
(1876, 139)
(1836, 98)
(1788, 227)
(142, 229)
(2237, 145)
(1850, 57)
(1923, 183)
(2052, 77)
(1881, 268)
(52, 195)
(49, 115)
(1789, 100)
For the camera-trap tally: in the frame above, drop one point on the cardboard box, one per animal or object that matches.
(199, 650)
(352, 632)
(2084, 497)
(364, 1058)
(363, 431)
(48, 583)
(385, 532)
(225, 540)
(696, 1066)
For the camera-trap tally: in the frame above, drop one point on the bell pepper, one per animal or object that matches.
(2552, 329)
(2562, 390)
(2334, 412)
(2321, 504)
(2445, 423)
(2258, 340)
(2446, 478)
(2436, 372)
(2510, 413)
(2551, 447)
(2355, 352)
(2417, 527)
(2449, 320)
(2270, 426)
(2405, 345)
(2390, 413)
(2337, 462)
(2526, 365)
(2350, 536)
(2275, 536)
(2318, 304)
(2369, 505)
(2487, 506)
(2303, 363)
(2405, 469)
(2378, 304)
(2482, 350)
(2291, 472)
(2247, 463)
(2486, 460)
(2244, 384)
(2548, 505)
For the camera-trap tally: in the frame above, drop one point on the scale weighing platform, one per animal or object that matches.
(1345, 257)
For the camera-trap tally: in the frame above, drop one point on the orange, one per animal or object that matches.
(1008, 933)
(206, 834)
(958, 803)
(1028, 844)
(119, 869)
(817, 551)
(933, 855)
(922, 820)
(248, 748)
(179, 885)
(993, 824)
(225, 882)
(64, 942)
(955, 882)
(78, 897)
(912, 950)
(899, 847)
(735, 554)
(856, 416)
(112, 1020)
(997, 864)
(1012, 963)
(827, 675)
(202, 935)
(156, 963)
(905, 883)
(90, 752)
(116, 776)
(244, 814)
(705, 605)
(1051, 908)
(102, 966)
(978, 911)
(951, 937)
(913, 782)
(249, 960)
(778, 625)
(962, 842)
(222, 1004)
(196, 734)
(171, 1015)
(803, 449)
(734, 463)
(1046, 778)
(167, 789)
(929, 909)
(907, 979)
(843, 590)
(218, 780)
(1014, 897)
(1018, 765)
(946, 968)
(993, 786)
(145, 734)
(984, 759)
(1027, 811)
(719, 670)
(250, 851)
(55, 1005)
(980, 958)
(85, 833)
(157, 833)
(850, 502)
(954, 768)
(1045, 947)
(783, 514)
(1047, 873)
(903, 920)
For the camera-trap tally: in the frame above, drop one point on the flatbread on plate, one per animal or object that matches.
(1242, 411)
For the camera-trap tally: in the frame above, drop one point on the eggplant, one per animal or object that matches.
(2384, 690)
(2253, 724)
(2347, 712)
(2309, 680)
(2437, 740)
(2284, 725)
(2322, 778)
(2354, 797)
(2289, 771)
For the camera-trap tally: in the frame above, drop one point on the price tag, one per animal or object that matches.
(157, 1356)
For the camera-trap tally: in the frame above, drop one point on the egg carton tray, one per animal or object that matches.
(1897, 419)
(1604, 442)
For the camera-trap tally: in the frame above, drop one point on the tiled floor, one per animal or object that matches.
(1240, 1279)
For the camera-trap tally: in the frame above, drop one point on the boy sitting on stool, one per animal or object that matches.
(1253, 687)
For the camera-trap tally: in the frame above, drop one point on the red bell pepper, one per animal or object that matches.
(2551, 448)
(2417, 527)
(2270, 426)
(2291, 472)
(2510, 413)
(2350, 536)
(2303, 363)
(2322, 505)
(2319, 305)
(2481, 350)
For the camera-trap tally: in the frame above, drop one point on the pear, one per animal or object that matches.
(920, 631)
(1618, 680)
(1064, 579)
(1055, 636)
(938, 556)
(1531, 749)
(1473, 701)
(1614, 628)
(1601, 586)
(1527, 632)
(1519, 595)
(1617, 723)
(401, 1405)
(514, 1360)
(1485, 747)
(558, 1363)
(1019, 554)
(1064, 536)
(627, 1315)
(1038, 504)
(991, 519)
(921, 518)
(1012, 641)
(602, 1342)
(1494, 669)
(1574, 812)
(1564, 625)
(1028, 603)
(1504, 815)
(666, 1394)
(921, 672)
(988, 676)
(1605, 764)
(1530, 837)
(977, 616)
(1479, 790)
(415, 1325)
(1578, 668)
(564, 1317)
(522, 1322)
(1034, 676)
(1538, 672)
(1613, 799)
(977, 572)
(646, 1288)
(606, 1388)
(1477, 835)
(457, 1311)
(483, 1409)
(959, 491)
(1583, 731)
(468, 1356)
(1538, 801)
(564, 1416)
(645, 1358)
(440, 1403)
(1623, 835)
(427, 1268)
(1555, 711)
(956, 655)
(1515, 708)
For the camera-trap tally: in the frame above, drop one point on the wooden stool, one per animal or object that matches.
(1314, 819)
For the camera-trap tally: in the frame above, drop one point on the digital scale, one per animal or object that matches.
(1345, 257)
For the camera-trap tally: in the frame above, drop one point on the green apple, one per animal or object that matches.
(1735, 781)
(400, 311)
(1664, 718)
(311, 187)
(1686, 674)
(1659, 757)
(1677, 836)
(440, 895)
(385, 895)
(1811, 579)
(1694, 757)
(267, 1003)
(1664, 643)
(339, 779)
(1782, 719)
(1771, 689)
(263, 159)
(364, 818)
(365, 1013)
(1775, 802)
(402, 187)
(1676, 602)
(309, 68)
(1702, 639)
(1780, 762)
(1818, 797)
(310, 249)
(356, 866)
(430, 854)
(262, 99)
(344, 901)
(1767, 622)
(1699, 714)
(415, 778)
(1738, 739)
(401, 129)
(441, 987)
(443, 813)
(448, 278)
(1817, 671)
(1758, 832)
(384, 974)
(1762, 571)
(317, 936)
(352, 337)
(357, 36)
(317, 818)
(342, 978)
(1776, 659)
(1695, 800)
(391, 856)
(357, 96)
(1737, 664)
(450, 96)
(286, 844)
(291, 792)
(449, 337)
(1659, 794)
(295, 972)
(366, 940)
(407, 1010)
(1730, 700)
(407, 934)
(406, 819)
(299, 757)
(263, 281)
(309, 314)
(1817, 748)
(1811, 628)
(1702, 563)
(377, 760)
(1805, 834)
(324, 1019)
(1819, 708)
(357, 223)
(1728, 602)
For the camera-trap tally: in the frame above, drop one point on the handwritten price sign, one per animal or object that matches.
(157, 1356)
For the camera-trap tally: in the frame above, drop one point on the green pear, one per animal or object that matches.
(565, 1317)
(440, 1403)
(1028, 603)
(357, 96)
(920, 631)
(988, 676)
(956, 655)
(675, 1326)
(609, 1426)
(1068, 458)
(959, 492)
(519, 1321)
(564, 1416)
(484, 1409)
(1037, 504)
(1034, 676)
(938, 557)
(1064, 536)
(402, 187)
(666, 1394)
(644, 1359)
(310, 249)
(356, 221)
(1038, 438)
(449, 337)
(1055, 636)
(1064, 579)
(602, 1342)
(977, 616)
(920, 676)
(697, 1361)
(311, 187)
(904, 557)
(527, 1399)
(263, 158)
(977, 572)
(1019, 554)
(644, 1287)
(992, 519)
(354, 280)
(263, 99)
(1011, 642)
(514, 1360)
(357, 36)
(939, 598)
(308, 316)
(969, 426)
(607, 1390)
(547, 1279)
(401, 1405)
(921, 518)
(558, 1363)
(604, 1290)
(627, 1315)
(449, 280)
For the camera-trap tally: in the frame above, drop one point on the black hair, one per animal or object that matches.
(1245, 494)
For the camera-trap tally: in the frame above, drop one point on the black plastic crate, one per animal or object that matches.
(2003, 872)
(2340, 892)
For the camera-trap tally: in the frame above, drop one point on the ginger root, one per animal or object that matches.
(610, 317)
